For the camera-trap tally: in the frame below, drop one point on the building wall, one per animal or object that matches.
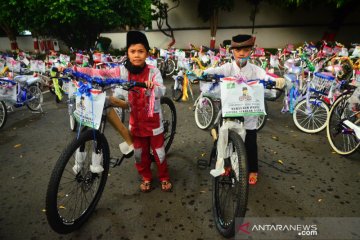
(274, 27)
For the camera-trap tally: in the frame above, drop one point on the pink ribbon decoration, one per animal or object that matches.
(103, 73)
(152, 97)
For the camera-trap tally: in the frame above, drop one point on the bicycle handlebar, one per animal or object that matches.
(105, 82)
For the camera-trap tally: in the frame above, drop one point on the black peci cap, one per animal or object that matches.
(242, 40)
(136, 37)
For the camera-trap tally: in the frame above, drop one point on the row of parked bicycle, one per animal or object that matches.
(305, 91)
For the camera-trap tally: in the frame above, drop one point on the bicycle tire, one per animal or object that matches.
(177, 93)
(169, 67)
(314, 122)
(200, 113)
(348, 142)
(3, 114)
(84, 180)
(262, 119)
(35, 104)
(169, 123)
(240, 184)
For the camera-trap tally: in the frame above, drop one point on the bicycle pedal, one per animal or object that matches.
(114, 162)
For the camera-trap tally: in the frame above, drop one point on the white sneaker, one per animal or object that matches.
(126, 148)
(95, 166)
(79, 161)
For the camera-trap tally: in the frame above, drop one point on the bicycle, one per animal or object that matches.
(343, 124)
(68, 210)
(230, 188)
(208, 103)
(17, 92)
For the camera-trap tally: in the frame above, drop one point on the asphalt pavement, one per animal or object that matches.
(299, 175)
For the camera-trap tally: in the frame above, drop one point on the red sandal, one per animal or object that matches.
(145, 186)
(253, 177)
(166, 186)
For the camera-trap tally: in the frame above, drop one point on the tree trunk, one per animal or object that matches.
(213, 28)
(11, 34)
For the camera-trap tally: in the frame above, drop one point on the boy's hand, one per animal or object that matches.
(149, 84)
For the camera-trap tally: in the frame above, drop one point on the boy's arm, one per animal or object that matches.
(222, 70)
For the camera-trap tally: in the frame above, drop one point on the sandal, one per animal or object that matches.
(253, 178)
(166, 186)
(145, 186)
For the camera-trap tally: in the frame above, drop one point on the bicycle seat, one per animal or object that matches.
(28, 79)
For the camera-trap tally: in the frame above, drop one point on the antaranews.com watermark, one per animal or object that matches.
(298, 228)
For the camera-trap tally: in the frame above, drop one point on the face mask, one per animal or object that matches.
(242, 61)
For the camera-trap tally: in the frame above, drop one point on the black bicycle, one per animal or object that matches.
(75, 188)
(230, 190)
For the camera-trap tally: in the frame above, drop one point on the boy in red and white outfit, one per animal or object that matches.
(145, 124)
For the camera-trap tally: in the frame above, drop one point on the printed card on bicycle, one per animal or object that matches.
(241, 99)
(89, 109)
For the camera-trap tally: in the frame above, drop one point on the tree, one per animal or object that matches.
(10, 15)
(255, 9)
(160, 15)
(208, 10)
(339, 8)
(77, 23)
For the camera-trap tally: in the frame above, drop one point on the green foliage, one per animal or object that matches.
(77, 23)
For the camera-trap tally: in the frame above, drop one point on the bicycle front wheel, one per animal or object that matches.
(74, 190)
(312, 118)
(3, 114)
(230, 190)
(343, 141)
(204, 113)
(35, 94)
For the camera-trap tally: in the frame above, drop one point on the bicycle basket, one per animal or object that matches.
(210, 89)
(322, 82)
(79, 58)
(259, 52)
(337, 49)
(327, 50)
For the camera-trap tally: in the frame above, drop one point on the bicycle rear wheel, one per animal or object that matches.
(72, 197)
(204, 113)
(230, 190)
(311, 119)
(3, 114)
(169, 121)
(343, 141)
(35, 94)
